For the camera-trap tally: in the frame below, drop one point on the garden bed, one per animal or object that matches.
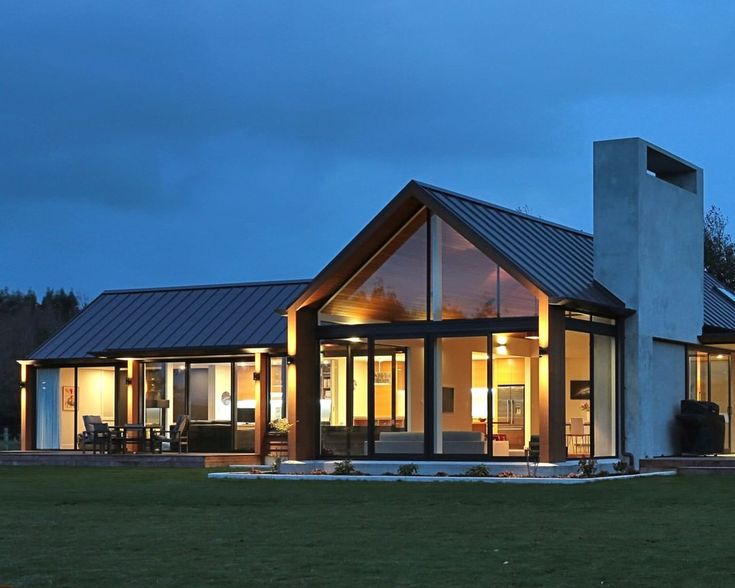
(484, 479)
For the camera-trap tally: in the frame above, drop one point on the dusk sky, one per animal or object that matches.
(149, 144)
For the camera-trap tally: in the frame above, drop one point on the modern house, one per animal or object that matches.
(448, 328)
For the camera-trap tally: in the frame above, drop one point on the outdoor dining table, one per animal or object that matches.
(140, 435)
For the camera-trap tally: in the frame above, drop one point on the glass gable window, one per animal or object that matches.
(469, 279)
(391, 286)
(473, 286)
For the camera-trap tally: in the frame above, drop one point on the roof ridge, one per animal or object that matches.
(206, 286)
(505, 209)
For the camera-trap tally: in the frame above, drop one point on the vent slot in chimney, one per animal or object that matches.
(671, 170)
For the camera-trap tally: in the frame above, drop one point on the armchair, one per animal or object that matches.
(178, 435)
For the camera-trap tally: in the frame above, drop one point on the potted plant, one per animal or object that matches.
(277, 437)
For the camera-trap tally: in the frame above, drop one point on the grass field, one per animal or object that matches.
(131, 527)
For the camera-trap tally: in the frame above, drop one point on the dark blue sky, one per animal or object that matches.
(159, 143)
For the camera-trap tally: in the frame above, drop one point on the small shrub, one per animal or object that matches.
(276, 467)
(478, 471)
(506, 475)
(345, 468)
(408, 469)
(587, 467)
(622, 466)
(318, 472)
(442, 474)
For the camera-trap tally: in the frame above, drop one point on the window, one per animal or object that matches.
(591, 421)
(391, 286)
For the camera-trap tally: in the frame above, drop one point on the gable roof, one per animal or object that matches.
(214, 318)
(719, 305)
(545, 257)
(559, 260)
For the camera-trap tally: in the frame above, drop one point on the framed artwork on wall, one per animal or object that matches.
(68, 398)
(579, 389)
(447, 400)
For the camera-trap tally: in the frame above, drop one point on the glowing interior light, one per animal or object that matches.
(502, 339)
(501, 350)
(479, 403)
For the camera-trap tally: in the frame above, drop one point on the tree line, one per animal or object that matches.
(25, 323)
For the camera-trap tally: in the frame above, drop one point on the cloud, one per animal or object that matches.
(111, 103)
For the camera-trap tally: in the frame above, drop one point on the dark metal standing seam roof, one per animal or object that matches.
(198, 317)
(719, 309)
(558, 259)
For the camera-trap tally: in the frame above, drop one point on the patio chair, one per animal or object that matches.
(97, 435)
(178, 435)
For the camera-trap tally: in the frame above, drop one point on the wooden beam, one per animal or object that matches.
(303, 383)
(552, 417)
(28, 407)
(262, 389)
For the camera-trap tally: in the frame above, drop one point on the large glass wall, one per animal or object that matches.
(591, 411)
(343, 398)
(210, 398)
(461, 395)
(473, 286)
(603, 396)
(392, 286)
(515, 392)
(709, 373)
(399, 396)
(246, 405)
(469, 417)
(164, 393)
(578, 394)
(277, 397)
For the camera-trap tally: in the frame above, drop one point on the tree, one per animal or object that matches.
(25, 323)
(719, 249)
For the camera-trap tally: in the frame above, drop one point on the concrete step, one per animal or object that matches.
(703, 470)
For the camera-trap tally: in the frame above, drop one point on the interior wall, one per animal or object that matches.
(96, 394)
(222, 384)
(577, 368)
(458, 372)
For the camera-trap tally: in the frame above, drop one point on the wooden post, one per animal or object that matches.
(262, 390)
(303, 383)
(28, 407)
(552, 421)
(134, 391)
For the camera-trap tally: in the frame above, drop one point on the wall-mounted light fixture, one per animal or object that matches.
(290, 359)
(256, 376)
(22, 385)
(543, 351)
(129, 381)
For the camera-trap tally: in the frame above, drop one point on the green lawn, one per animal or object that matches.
(137, 527)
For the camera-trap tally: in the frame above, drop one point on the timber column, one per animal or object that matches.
(552, 417)
(303, 383)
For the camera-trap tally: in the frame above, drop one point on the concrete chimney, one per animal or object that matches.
(649, 235)
(649, 241)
